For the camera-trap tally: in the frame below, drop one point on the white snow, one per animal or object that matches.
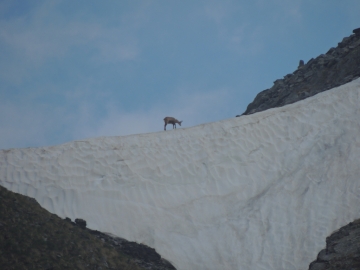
(254, 192)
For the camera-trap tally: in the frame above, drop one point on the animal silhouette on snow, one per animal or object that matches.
(171, 120)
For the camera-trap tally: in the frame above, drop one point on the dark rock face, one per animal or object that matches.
(33, 238)
(342, 250)
(301, 63)
(338, 66)
(356, 31)
(80, 222)
(143, 255)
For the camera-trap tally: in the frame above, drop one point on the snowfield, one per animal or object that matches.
(254, 192)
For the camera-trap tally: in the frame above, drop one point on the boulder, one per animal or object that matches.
(80, 222)
(301, 63)
(356, 31)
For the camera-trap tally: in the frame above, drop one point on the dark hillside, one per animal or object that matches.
(33, 238)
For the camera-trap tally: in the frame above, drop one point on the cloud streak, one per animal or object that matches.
(24, 126)
(43, 35)
(193, 109)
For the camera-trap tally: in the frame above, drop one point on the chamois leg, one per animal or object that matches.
(165, 126)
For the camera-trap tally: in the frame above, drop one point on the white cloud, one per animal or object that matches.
(246, 28)
(124, 123)
(238, 33)
(43, 34)
(194, 109)
(38, 42)
(282, 10)
(27, 126)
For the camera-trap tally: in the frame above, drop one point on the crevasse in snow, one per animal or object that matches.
(255, 192)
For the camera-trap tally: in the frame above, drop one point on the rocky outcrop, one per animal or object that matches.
(33, 238)
(338, 66)
(143, 255)
(80, 222)
(342, 250)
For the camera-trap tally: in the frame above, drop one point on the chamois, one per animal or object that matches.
(171, 120)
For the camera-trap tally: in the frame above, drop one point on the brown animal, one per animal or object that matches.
(171, 120)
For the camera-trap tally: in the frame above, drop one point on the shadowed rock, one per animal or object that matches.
(342, 250)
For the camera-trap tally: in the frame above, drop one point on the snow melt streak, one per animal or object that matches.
(255, 192)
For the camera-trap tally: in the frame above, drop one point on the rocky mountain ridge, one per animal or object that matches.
(338, 66)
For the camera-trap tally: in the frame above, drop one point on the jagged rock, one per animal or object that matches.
(308, 74)
(80, 222)
(301, 63)
(342, 250)
(338, 66)
(356, 31)
(68, 219)
(148, 257)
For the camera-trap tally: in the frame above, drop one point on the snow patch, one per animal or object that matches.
(254, 192)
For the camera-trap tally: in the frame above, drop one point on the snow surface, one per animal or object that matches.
(254, 192)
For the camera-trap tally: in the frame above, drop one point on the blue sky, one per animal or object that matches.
(71, 70)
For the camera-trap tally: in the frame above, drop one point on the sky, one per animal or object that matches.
(71, 70)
